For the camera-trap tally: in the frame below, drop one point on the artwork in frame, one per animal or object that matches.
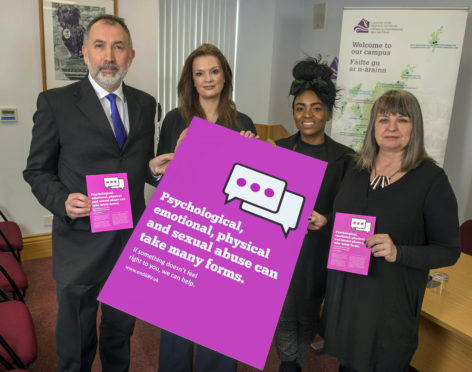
(62, 29)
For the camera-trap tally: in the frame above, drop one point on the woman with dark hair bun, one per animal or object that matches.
(314, 96)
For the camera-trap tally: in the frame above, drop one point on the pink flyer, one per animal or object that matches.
(212, 256)
(111, 208)
(348, 251)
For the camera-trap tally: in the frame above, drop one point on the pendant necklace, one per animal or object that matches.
(381, 181)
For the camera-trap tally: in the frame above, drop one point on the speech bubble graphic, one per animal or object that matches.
(114, 183)
(360, 224)
(288, 214)
(254, 187)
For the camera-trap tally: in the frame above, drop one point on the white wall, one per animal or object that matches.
(274, 34)
(286, 53)
(21, 82)
(142, 22)
(143, 27)
(268, 48)
(253, 69)
(458, 152)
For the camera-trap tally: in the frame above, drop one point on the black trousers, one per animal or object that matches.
(76, 331)
(176, 355)
(384, 364)
(297, 326)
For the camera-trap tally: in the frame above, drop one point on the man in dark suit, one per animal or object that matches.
(75, 134)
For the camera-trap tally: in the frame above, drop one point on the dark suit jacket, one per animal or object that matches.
(309, 276)
(72, 138)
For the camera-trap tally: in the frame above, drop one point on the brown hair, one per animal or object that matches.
(189, 103)
(395, 102)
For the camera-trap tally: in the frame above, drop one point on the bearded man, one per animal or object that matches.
(98, 125)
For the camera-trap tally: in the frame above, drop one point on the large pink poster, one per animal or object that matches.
(213, 254)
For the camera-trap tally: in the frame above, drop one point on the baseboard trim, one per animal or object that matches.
(36, 246)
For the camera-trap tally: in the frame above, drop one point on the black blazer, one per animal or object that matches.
(309, 276)
(72, 138)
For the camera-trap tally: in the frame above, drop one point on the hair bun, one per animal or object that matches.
(311, 74)
(311, 68)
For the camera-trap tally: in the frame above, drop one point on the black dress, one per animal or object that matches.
(175, 352)
(299, 319)
(311, 264)
(371, 322)
(173, 125)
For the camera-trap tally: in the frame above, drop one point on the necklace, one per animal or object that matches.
(381, 181)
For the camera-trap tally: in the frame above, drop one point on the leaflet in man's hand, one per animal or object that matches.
(111, 207)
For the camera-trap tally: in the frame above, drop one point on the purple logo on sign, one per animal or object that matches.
(362, 27)
(334, 67)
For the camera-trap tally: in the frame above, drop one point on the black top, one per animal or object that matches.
(374, 319)
(173, 125)
(314, 151)
(309, 277)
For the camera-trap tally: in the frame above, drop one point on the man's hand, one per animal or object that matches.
(78, 205)
(159, 164)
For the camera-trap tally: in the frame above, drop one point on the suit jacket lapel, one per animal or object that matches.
(89, 104)
(134, 114)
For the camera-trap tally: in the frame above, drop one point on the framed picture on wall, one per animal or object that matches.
(62, 29)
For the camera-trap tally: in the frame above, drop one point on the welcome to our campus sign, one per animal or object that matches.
(415, 49)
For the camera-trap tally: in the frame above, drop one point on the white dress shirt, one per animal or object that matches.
(120, 103)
